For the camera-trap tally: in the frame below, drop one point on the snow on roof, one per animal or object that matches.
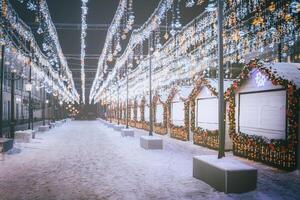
(287, 71)
(164, 94)
(185, 91)
(214, 83)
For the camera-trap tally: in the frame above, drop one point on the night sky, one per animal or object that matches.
(68, 12)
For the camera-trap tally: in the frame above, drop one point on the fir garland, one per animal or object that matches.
(202, 137)
(278, 153)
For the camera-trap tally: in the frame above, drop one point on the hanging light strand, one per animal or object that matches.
(84, 11)
(113, 31)
(137, 37)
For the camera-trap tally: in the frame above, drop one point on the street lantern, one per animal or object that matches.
(28, 87)
(12, 76)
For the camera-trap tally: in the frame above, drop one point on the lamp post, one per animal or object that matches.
(118, 91)
(28, 88)
(110, 107)
(44, 106)
(47, 108)
(127, 106)
(60, 110)
(221, 82)
(53, 109)
(12, 76)
(150, 89)
(1, 89)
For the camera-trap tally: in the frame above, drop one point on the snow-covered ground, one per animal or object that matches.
(87, 160)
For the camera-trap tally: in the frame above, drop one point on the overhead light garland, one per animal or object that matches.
(84, 11)
(195, 45)
(48, 23)
(137, 37)
(11, 24)
(51, 46)
(113, 33)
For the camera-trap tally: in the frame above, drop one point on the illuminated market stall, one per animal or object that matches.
(204, 113)
(263, 115)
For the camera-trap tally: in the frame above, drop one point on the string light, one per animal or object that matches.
(107, 52)
(84, 11)
(196, 45)
(137, 37)
(39, 61)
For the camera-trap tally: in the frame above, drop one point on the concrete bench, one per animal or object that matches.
(58, 123)
(43, 128)
(151, 142)
(127, 132)
(118, 127)
(110, 125)
(225, 175)
(6, 144)
(52, 124)
(24, 136)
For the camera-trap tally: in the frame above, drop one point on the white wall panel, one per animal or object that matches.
(207, 113)
(159, 113)
(177, 113)
(264, 114)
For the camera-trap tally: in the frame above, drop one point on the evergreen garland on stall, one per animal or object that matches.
(179, 132)
(160, 127)
(278, 153)
(202, 137)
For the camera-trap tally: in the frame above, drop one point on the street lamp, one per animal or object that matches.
(28, 88)
(12, 76)
(221, 82)
(118, 101)
(150, 88)
(43, 105)
(110, 107)
(60, 110)
(127, 106)
(1, 88)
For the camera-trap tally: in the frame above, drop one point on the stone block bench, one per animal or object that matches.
(110, 125)
(118, 127)
(43, 128)
(24, 136)
(127, 132)
(151, 142)
(52, 125)
(6, 144)
(225, 175)
(58, 123)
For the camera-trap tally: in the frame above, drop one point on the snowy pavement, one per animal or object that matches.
(87, 160)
